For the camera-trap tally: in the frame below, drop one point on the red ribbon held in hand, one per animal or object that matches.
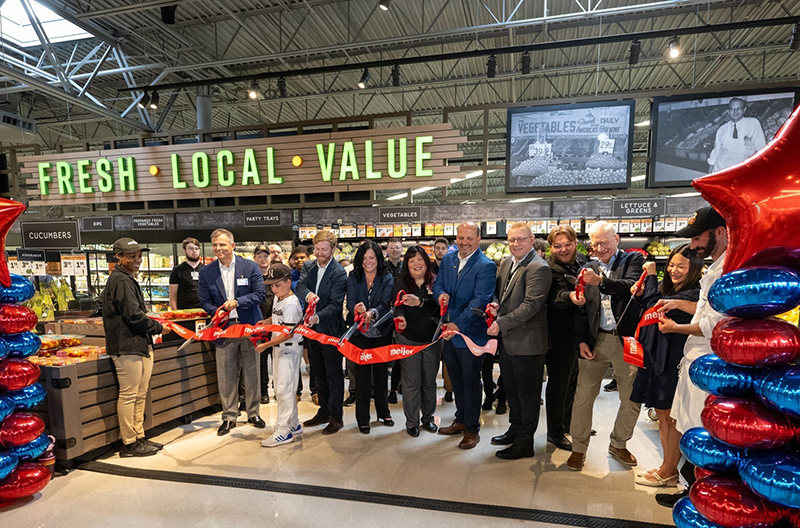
(633, 353)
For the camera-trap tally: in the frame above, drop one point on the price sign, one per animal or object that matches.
(73, 265)
(606, 146)
(491, 228)
(540, 149)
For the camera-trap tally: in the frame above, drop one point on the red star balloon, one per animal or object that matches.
(9, 212)
(760, 201)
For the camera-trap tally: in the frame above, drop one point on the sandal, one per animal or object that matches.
(654, 480)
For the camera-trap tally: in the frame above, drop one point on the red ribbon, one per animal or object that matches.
(633, 352)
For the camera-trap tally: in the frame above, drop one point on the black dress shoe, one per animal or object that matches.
(392, 397)
(561, 443)
(387, 421)
(430, 426)
(448, 396)
(318, 419)
(413, 431)
(487, 403)
(504, 439)
(265, 400)
(242, 405)
(364, 429)
(350, 400)
(333, 427)
(257, 422)
(226, 427)
(501, 407)
(669, 499)
(514, 452)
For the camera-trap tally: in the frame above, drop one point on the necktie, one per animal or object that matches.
(735, 132)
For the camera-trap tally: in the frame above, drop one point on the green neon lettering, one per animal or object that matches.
(127, 173)
(84, 176)
(271, 178)
(421, 156)
(106, 183)
(326, 161)
(401, 172)
(250, 171)
(64, 173)
(348, 162)
(200, 171)
(226, 178)
(44, 179)
(176, 173)
(371, 175)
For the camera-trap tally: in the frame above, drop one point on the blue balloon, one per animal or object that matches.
(27, 398)
(756, 292)
(775, 475)
(714, 375)
(685, 515)
(8, 463)
(20, 290)
(31, 450)
(22, 345)
(780, 389)
(705, 451)
(7, 406)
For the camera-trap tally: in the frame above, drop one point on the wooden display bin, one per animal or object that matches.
(81, 406)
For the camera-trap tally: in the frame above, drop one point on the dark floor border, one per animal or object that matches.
(485, 510)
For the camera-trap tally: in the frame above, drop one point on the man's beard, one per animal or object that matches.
(568, 261)
(192, 259)
(705, 252)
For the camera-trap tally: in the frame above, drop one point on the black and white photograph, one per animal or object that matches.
(579, 146)
(699, 136)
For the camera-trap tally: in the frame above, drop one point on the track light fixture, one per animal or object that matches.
(384, 5)
(143, 101)
(154, 101)
(395, 75)
(794, 43)
(526, 63)
(252, 93)
(282, 87)
(491, 67)
(364, 79)
(635, 49)
(674, 47)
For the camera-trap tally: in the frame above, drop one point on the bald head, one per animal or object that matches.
(468, 238)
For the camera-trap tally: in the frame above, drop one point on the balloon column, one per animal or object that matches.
(21, 432)
(746, 450)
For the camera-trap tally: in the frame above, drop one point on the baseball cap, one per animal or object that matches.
(259, 248)
(277, 272)
(702, 220)
(127, 245)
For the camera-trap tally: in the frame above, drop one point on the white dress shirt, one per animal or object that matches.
(229, 280)
(320, 273)
(463, 261)
(729, 151)
(704, 315)
(607, 320)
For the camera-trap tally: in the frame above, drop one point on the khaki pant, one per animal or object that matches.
(608, 351)
(133, 375)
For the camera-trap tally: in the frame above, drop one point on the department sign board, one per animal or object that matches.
(54, 234)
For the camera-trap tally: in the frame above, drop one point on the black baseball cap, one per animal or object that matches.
(128, 245)
(277, 272)
(701, 221)
(259, 248)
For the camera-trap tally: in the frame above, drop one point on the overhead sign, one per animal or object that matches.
(400, 214)
(52, 234)
(97, 223)
(262, 218)
(148, 222)
(339, 161)
(639, 207)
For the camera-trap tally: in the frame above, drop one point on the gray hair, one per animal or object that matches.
(602, 227)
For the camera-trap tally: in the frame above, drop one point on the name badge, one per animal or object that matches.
(606, 302)
(195, 275)
(244, 281)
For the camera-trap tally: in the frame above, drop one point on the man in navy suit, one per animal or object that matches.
(466, 280)
(325, 280)
(235, 284)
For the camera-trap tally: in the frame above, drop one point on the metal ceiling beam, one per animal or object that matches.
(131, 8)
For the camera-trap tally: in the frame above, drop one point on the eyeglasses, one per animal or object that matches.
(600, 245)
(518, 240)
(559, 247)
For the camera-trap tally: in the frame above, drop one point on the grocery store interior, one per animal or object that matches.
(548, 112)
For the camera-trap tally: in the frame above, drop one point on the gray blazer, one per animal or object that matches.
(523, 306)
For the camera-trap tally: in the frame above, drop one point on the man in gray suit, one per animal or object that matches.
(523, 283)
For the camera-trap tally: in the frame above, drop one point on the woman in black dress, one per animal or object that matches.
(369, 292)
(655, 384)
(417, 321)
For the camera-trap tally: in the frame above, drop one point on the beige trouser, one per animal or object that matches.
(608, 351)
(133, 375)
(448, 386)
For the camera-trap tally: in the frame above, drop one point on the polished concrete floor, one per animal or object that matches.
(386, 461)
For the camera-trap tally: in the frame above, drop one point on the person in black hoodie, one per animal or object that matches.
(129, 342)
(563, 318)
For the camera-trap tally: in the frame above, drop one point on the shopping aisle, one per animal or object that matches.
(386, 461)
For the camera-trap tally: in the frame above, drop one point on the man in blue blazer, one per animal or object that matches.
(466, 280)
(325, 280)
(237, 285)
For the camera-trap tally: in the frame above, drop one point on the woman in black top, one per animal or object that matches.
(655, 384)
(369, 291)
(418, 318)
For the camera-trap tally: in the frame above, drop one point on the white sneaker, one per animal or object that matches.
(278, 439)
(297, 430)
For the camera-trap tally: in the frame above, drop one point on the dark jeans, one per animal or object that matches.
(366, 375)
(562, 378)
(465, 375)
(522, 376)
(326, 364)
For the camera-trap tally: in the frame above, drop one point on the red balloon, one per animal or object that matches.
(710, 398)
(794, 518)
(15, 319)
(27, 479)
(727, 501)
(756, 342)
(746, 423)
(9, 212)
(17, 374)
(20, 428)
(760, 200)
(700, 472)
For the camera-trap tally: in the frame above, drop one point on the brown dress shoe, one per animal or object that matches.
(469, 441)
(333, 427)
(575, 461)
(622, 455)
(455, 428)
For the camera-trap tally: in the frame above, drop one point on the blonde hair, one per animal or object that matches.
(325, 236)
(220, 232)
(521, 225)
(563, 229)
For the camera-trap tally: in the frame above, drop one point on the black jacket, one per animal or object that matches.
(564, 318)
(421, 321)
(127, 327)
(331, 293)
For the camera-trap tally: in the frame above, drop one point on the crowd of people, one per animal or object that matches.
(536, 313)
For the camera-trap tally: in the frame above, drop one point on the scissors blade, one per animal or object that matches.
(186, 343)
(480, 313)
(572, 279)
(347, 335)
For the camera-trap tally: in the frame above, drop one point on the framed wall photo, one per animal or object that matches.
(569, 147)
(697, 135)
